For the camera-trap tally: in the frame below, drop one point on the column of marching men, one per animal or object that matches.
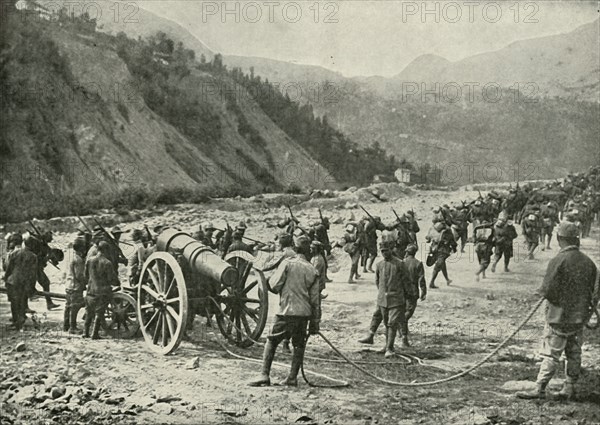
(303, 252)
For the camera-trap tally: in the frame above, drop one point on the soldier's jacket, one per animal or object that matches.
(238, 245)
(441, 242)
(76, 274)
(318, 263)
(504, 236)
(391, 278)
(296, 281)
(416, 278)
(21, 268)
(570, 286)
(100, 275)
(531, 228)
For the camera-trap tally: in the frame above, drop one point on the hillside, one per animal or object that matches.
(78, 132)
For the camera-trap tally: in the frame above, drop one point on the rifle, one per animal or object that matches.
(85, 225)
(320, 215)
(245, 237)
(111, 239)
(396, 214)
(367, 212)
(296, 220)
(148, 232)
(40, 237)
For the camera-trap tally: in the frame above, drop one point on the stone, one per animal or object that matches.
(162, 408)
(193, 363)
(20, 347)
(25, 394)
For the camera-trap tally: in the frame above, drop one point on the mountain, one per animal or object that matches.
(564, 65)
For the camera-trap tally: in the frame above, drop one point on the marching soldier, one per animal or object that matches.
(531, 231)
(504, 235)
(297, 283)
(549, 215)
(571, 290)
(484, 246)
(351, 245)
(39, 246)
(371, 226)
(442, 245)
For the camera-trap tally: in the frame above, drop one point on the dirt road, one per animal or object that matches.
(121, 381)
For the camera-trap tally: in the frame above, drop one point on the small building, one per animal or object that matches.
(402, 175)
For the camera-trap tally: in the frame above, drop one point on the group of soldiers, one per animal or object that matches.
(300, 267)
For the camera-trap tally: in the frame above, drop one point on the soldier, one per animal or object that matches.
(20, 275)
(99, 275)
(133, 262)
(208, 235)
(198, 234)
(549, 215)
(484, 246)
(75, 287)
(442, 245)
(116, 233)
(84, 234)
(318, 262)
(391, 279)
(39, 246)
(461, 222)
(571, 291)
(237, 244)
(371, 226)
(297, 283)
(504, 235)
(414, 226)
(350, 242)
(416, 281)
(404, 236)
(322, 235)
(531, 231)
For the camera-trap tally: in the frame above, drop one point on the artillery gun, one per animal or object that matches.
(184, 277)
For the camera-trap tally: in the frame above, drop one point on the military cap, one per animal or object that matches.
(350, 227)
(208, 226)
(237, 234)
(404, 219)
(302, 242)
(104, 247)
(411, 213)
(478, 202)
(439, 226)
(567, 229)
(316, 244)
(79, 245)
(116, 230)
(137, 235)
(242, 225)
(412, 249)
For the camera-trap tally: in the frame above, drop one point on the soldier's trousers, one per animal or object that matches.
(503, 251)
(411, 305)
(394, 317)
(43, 280)
(377, 317)
(74, 302)
(17, 295)
(95, 306)
(559, 339)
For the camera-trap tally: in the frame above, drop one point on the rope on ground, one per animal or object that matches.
(439, 381)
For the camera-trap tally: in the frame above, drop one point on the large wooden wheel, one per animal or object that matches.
(120, 318)
(245, 304)
(162, 304)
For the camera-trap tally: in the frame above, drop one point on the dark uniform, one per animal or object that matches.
(20, 275)
(74, 289)
(571, 290)
(504, 234)
(484, 246)
(442, 245)
(416, 282)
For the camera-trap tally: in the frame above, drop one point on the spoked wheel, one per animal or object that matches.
(120, 318)
(162, 305)
(245, 305)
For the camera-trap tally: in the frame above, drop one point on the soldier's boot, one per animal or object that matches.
(351, 277)
(268, 355)
(286, 346)
(66, 319)
(368, 339)
(538, 393)
(567, 392)
(404, 342)
(96, 327)
(297, 359)
(86, 325)
(73, 329)
(370, 268)
(49, 304)
(391, 338)
(27, 309)
(494, 265)
(548, 244)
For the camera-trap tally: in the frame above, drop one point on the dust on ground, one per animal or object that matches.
(55, 378)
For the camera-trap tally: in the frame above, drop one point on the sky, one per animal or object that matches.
(365, 38)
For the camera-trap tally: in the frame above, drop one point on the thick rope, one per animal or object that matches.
(439, 381)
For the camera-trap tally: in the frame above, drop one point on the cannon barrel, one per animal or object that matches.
(200, 257)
